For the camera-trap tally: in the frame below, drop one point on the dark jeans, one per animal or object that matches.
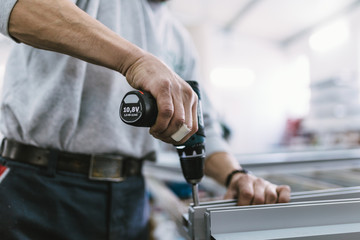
(69, 206)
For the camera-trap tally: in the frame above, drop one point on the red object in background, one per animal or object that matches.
(3, 172)
(292, 129)
(2, 169)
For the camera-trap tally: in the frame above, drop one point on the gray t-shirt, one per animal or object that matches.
(54, 100)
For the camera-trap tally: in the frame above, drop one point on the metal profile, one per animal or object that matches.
(196, 228)
(289, 221)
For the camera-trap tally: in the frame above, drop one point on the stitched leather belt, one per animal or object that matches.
(97, 167)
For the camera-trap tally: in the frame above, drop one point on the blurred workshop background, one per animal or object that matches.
(282, 74)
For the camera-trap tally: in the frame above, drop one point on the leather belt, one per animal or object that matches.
(97, 167)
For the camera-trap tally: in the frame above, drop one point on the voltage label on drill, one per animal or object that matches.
(131, 109)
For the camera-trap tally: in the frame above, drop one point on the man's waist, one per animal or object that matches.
(106, 167)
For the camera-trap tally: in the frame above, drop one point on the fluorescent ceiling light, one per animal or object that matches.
(232, 77)
(330, 36)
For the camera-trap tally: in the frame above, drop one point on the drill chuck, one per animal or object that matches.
(192, 162)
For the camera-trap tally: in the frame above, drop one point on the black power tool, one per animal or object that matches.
(139, 109)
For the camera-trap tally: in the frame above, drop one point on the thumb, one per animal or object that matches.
(230, 193)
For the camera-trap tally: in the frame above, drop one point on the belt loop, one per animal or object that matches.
(50, 171)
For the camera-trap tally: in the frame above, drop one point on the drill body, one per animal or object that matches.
(139, 108)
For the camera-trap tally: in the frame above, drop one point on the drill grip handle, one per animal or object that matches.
(139, 108)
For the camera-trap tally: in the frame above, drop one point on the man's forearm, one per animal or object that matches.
(61, 26)
(219, 165)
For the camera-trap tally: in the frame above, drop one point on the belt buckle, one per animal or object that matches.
(106, 168)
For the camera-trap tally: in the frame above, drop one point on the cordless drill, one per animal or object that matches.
(139, 109)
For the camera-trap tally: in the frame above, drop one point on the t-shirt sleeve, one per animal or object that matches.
(5, 11)
(214, 140)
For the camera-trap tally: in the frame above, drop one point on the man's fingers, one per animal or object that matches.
(190, 126)
(176, 123)
(250, 190)
(230, 194)
(246, 191)
(259, 189)
(265, 192)
(271, 195)
(171, 117)
(283, 192)
(166, 111)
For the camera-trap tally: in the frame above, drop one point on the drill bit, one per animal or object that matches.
(195, 193)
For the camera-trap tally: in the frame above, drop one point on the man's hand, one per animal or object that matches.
(246, 188)
(176, 101)
(251, 190)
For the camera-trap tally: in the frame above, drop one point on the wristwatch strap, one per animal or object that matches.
(230, 176)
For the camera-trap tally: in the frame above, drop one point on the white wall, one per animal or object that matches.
(256, 113)
(340, 62)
